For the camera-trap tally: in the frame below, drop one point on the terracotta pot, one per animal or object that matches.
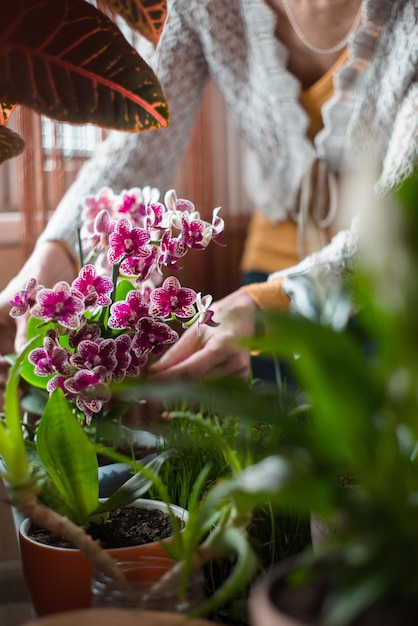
(273, 602)
(121, 617)
(263, 610)
(59, 579)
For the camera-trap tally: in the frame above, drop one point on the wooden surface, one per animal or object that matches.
(115, 617)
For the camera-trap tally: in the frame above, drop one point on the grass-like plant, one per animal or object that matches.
(354, 463)
(226, 473)
(359, 464)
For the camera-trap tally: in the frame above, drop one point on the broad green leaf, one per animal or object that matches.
(145, 16)
(12, 444)
(48, 492)
(123, 288)
(70, 62)
(11, 144)
(69, 457)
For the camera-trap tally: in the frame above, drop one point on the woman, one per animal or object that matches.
(315, 86)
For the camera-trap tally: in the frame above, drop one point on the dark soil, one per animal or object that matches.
(129, 526)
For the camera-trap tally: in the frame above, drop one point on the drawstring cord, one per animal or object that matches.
(317, 206)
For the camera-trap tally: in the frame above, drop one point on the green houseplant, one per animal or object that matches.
(69, 61)
(358, 467)
(226, 474)
(87, 337)
(353, 461)
(39, 30)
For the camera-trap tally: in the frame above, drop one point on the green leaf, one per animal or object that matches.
(231, 541)
(340, 382)
(69, 61)
(145, 16)
(345, 604)
(139, 484)
(69, 457)
(48, 492)
(11, 144)
(123, 288)
(12, 444)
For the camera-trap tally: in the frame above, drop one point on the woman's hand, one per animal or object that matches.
(215, 351)
(49, 263)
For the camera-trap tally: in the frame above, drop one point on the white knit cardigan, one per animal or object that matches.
(372, 117)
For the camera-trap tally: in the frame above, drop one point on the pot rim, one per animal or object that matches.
(179, 511)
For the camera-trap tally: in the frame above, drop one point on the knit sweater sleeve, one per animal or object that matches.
(269, 296)
(125, 160)
(402, 154)
(334, 259)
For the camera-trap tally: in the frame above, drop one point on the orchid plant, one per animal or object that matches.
(84, 339)
(119, 310)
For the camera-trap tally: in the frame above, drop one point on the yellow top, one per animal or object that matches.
(273, 247)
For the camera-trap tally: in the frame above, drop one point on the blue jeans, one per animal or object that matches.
(263, 367)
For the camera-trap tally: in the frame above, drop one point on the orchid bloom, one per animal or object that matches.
(103, 327)
(126, 314)
(152, 336)
(102, 229)
(137, 204)
(172, 249)
(175, 208)
(90, 389)
(51, 358)
(172, 299)
(61, 304)
(94, 204)
(205, 314)
(91, 354)
(126, 240)
(95, 289)
(124, 358)
(140, 266)
(25, 299)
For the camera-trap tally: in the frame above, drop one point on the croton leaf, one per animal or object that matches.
(70, 62)
(11, 144)
(6, 109)
(145, 16)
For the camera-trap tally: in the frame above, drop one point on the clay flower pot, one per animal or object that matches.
(59, 579)
(110, 617)
(264, 610)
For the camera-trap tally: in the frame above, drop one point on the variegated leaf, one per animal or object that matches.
(145, 16)
(67, 60)
(11, 144)
(6, 110)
